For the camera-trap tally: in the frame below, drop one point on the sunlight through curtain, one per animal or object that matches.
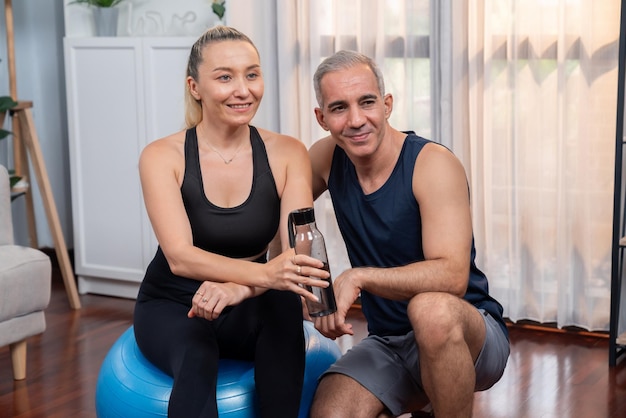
(542, 77)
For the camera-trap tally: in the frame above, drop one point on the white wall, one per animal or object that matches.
(257, 19)
(39, 67)
(39, 31)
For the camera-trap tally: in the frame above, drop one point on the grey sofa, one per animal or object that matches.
(25, 280)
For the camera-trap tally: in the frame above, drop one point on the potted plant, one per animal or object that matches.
(105, 15)
(6, 104)
(98, 3)
(219, 8)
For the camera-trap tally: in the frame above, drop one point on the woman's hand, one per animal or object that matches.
(289, 271)
(211, 298)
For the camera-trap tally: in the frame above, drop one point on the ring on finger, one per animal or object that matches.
(205, 300)
(299, 270)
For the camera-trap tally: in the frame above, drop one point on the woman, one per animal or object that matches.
(217, 194)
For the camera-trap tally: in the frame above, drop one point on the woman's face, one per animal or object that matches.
(230, 84)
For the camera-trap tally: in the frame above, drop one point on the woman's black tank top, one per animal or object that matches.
(241, 231)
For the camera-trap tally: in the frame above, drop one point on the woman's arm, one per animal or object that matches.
(161, 168)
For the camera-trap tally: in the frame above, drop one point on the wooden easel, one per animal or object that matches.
(26, 144)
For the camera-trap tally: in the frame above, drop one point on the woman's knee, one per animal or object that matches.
(281, 307)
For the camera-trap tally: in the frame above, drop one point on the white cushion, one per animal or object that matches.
(25, 279)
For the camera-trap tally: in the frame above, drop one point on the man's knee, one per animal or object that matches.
(436, 318)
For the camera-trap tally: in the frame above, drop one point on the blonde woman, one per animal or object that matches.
(217, 194)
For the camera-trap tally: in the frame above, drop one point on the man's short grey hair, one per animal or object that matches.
(340, 61)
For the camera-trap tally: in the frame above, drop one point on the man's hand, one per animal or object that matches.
(333, 326)
(346, 291)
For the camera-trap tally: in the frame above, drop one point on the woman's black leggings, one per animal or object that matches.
(266, 329)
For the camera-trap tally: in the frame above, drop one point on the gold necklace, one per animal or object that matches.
(226, 161)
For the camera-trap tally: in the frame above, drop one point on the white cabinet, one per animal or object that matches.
(122, 93)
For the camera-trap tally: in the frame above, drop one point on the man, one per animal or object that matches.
(402, 205)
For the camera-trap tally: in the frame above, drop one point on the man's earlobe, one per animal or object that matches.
(388, 100)
(319, 115)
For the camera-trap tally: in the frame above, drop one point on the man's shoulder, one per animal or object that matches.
(419, 143)
(411, 136)
(322, 148)
(324, 142)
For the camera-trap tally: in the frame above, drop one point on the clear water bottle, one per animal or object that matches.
(307, 239)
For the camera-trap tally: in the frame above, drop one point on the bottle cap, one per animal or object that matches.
(303, 216)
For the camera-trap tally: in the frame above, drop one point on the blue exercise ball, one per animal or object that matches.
(130, 386)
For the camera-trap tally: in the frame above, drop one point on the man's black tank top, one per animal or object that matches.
(383, 229)
(242, 231)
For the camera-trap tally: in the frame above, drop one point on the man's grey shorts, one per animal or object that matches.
(389, 366)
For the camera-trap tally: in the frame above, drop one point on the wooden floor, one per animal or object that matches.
(549, 374)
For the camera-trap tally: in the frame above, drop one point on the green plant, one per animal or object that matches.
(218, 8)
(7, 103)
(98, 3)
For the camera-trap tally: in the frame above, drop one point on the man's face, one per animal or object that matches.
(354, 111)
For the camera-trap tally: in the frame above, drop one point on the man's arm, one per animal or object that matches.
(321, 154)
(440, 188)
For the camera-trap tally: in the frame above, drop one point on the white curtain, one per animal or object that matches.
(541, 92)
(524, 93)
